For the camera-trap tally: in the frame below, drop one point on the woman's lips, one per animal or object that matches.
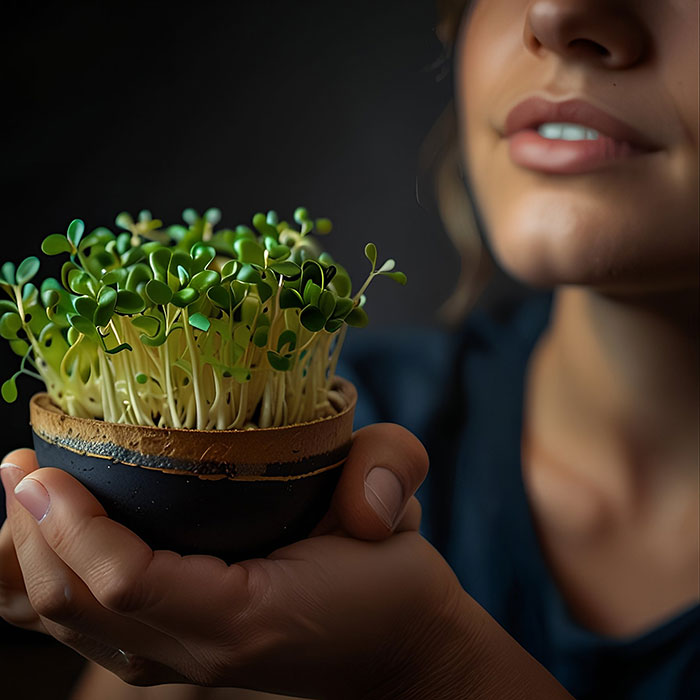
(617, 141)
(556, 156)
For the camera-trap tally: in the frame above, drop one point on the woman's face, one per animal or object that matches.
(613, 201)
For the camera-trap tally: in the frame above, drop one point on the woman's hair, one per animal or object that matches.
(450, 13)
(441, 167)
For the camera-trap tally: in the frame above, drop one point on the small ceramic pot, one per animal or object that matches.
(234, 494)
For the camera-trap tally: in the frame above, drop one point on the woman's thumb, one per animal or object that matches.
(385, 467)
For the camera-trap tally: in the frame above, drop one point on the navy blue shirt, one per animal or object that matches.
(462, 395)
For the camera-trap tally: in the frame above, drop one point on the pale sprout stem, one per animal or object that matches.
(194, 355)
(107, 385)
(174, 414)
(128, 378)
(242, 402)
(279, 409)
(266, 408)
(217, 417)
(191, 412)
(363, 288)
(340, 339)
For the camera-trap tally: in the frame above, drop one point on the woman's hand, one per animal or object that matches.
(328, 616)
(350, 612)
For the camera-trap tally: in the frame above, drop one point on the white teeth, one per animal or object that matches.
(566, 132)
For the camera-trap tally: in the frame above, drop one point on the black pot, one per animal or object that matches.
(234, 494)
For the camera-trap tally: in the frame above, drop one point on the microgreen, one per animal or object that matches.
(186, 325)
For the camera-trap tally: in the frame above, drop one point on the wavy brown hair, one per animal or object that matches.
(441, 167)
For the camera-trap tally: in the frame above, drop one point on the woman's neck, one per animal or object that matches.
(613, 391)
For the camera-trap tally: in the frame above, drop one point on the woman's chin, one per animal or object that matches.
(547, 243)
(596, 274)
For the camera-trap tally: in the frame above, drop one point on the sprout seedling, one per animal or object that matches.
(186, 326)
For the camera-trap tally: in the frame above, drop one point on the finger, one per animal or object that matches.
(131, 668)
(385, 467)
(410, 520)
(15, 607)
(24, 458)
(64, 604)
(160, 589)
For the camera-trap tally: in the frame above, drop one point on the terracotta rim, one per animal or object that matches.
(289, 452)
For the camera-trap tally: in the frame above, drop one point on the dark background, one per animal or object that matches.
(123, 105)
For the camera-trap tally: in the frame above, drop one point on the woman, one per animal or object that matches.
(606, 213)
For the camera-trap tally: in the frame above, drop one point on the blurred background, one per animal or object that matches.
(123, 105)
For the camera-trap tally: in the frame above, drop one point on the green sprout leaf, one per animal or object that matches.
(158, 292)
(265, 290)
(312, 293)
(291, 299)
(190, 216)
(399, 277)
(371, 254)
(213, 215)
(343, 306)
(159, 260)
(341, 283)
(141, 378)
(323, 226)
(249, 252)
(387, 266)
(312, 270)
(8, 272)
(183, 277)
(278, 362)
(106, 303)
(10, 324)
(357, 318)
(264, 228)
(76, 228)
(82, 325)
(55, 244)
(185, 297)
(27, 269)
(229, 269)
(117, 277)
(9, 390)
(129, 302)
(132, 256)
(333, 325)
(326, 303)
(220, 296)
(287, 341)
(287, 269)
(199, 321)
(301, 215)
(124, 220)
(260, 336)
(204, 279)
(312, 319)
(85, 306)
(100, 235)
(202, 255)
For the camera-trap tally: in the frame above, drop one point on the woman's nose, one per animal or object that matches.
(604, 33)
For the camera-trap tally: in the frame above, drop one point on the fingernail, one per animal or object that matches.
(34, 497)
(11, 475)
(384, 493)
